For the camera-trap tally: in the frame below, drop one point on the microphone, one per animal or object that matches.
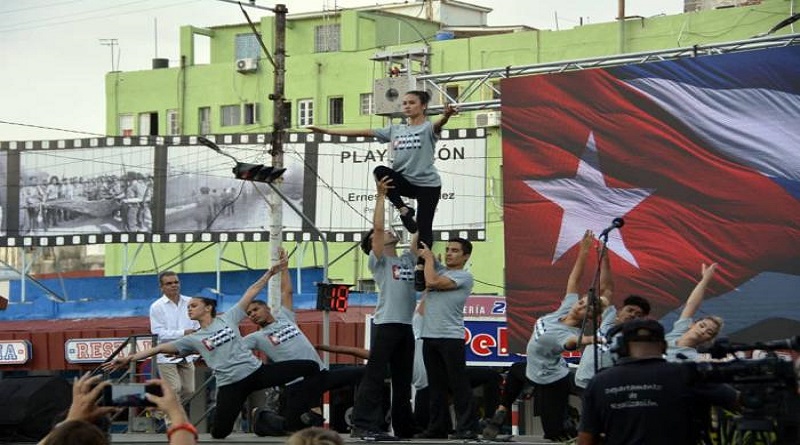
(615, 224)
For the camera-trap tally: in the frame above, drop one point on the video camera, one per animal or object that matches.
(767, 387)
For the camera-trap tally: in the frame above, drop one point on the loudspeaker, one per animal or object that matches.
(29, 406)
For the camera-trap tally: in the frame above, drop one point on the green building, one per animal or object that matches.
(332, 65)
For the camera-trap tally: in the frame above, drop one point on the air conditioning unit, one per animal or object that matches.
(248, 65)
(388, 94)
(487, 119)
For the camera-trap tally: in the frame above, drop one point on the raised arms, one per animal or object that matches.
(699, 291)
(449, 110)
(252, 291)
(573, 282)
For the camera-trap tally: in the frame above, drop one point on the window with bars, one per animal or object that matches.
(336, 110)
(204, 120)
(305, 112)
(252, 114)
(231, 115)
(367, 103)
(326, 38)
(247, 46)
(173, 123)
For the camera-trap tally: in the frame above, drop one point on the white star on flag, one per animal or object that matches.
(588, 203)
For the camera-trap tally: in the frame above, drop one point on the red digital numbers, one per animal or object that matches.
(332, 297)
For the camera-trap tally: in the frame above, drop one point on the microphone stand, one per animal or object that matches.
(593, 305)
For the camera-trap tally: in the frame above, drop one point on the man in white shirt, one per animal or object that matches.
(169, 319)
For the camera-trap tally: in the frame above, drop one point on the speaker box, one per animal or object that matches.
(29, 406)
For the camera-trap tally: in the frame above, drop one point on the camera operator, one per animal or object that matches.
(643, 398)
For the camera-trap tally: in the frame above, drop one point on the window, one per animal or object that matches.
(305, 112)
(251, 114)
(326, 38)
(173, 123)
(204, 120)
(247, 46)
(125, 125)
(148, 124)
(452, 92)
(231, 115)
(367, 103)
(336, 110)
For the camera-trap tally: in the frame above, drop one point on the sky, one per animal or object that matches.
(56, 53)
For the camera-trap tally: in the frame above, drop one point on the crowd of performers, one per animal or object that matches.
(418, 337)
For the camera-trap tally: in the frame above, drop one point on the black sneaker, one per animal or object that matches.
(492, 427)
(408, 220)
(311, 418)
(464, 435)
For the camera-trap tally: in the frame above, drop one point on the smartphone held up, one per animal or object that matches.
(130, 394)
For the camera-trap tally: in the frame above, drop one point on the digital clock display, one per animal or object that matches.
(332, 297)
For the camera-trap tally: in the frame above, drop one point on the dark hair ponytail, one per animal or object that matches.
(424, 96)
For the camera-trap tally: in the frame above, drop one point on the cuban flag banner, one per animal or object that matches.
(701, 157)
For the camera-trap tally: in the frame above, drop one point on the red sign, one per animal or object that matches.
(97, 350)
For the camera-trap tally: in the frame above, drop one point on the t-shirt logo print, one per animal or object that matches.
(408, 142)
(219, 338)
(539, 329)
(402, 273)
(283, 334)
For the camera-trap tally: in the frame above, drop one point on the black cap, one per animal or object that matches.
(639, 330)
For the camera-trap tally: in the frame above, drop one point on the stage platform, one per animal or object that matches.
(243, 438)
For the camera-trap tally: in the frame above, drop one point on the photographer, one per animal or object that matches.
(84, 414)
(643, 398)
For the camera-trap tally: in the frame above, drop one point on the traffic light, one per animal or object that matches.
(257, 172)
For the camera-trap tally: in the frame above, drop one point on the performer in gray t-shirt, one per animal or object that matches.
(281, 340)
(237, 370)
(448, 287)
(413, 174)
(686, 334)
(546, 368)
(392, 336)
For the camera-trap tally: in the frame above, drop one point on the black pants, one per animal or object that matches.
(392, 347)
(427, 199)
(551, 402)
(487, 378)
(446, 368)
(294, 397)
(231, 397)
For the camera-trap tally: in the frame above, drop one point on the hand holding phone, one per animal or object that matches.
(130, 394)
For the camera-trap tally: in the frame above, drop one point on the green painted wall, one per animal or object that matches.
(349, 73)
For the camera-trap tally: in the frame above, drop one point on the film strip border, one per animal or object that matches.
(205, 237)
(226, 139)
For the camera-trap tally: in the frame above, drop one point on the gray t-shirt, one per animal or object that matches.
(222, 347)
(282, 340)
(585, 370)
(444, 309)
(544, 362)
(395, 279)
(414, 148)
(679, 328)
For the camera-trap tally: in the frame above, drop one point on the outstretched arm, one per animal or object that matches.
(699, 291)
(342, 131)
(287, 291)
(252, 291)
(349, 350)
(574, 279)
(379, 216)
(433, 280)
(121, 362)
(449, 110)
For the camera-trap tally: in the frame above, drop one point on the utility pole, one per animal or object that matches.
(278, 136)
(110, 43)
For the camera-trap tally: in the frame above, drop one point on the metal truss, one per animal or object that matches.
(473, 81)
